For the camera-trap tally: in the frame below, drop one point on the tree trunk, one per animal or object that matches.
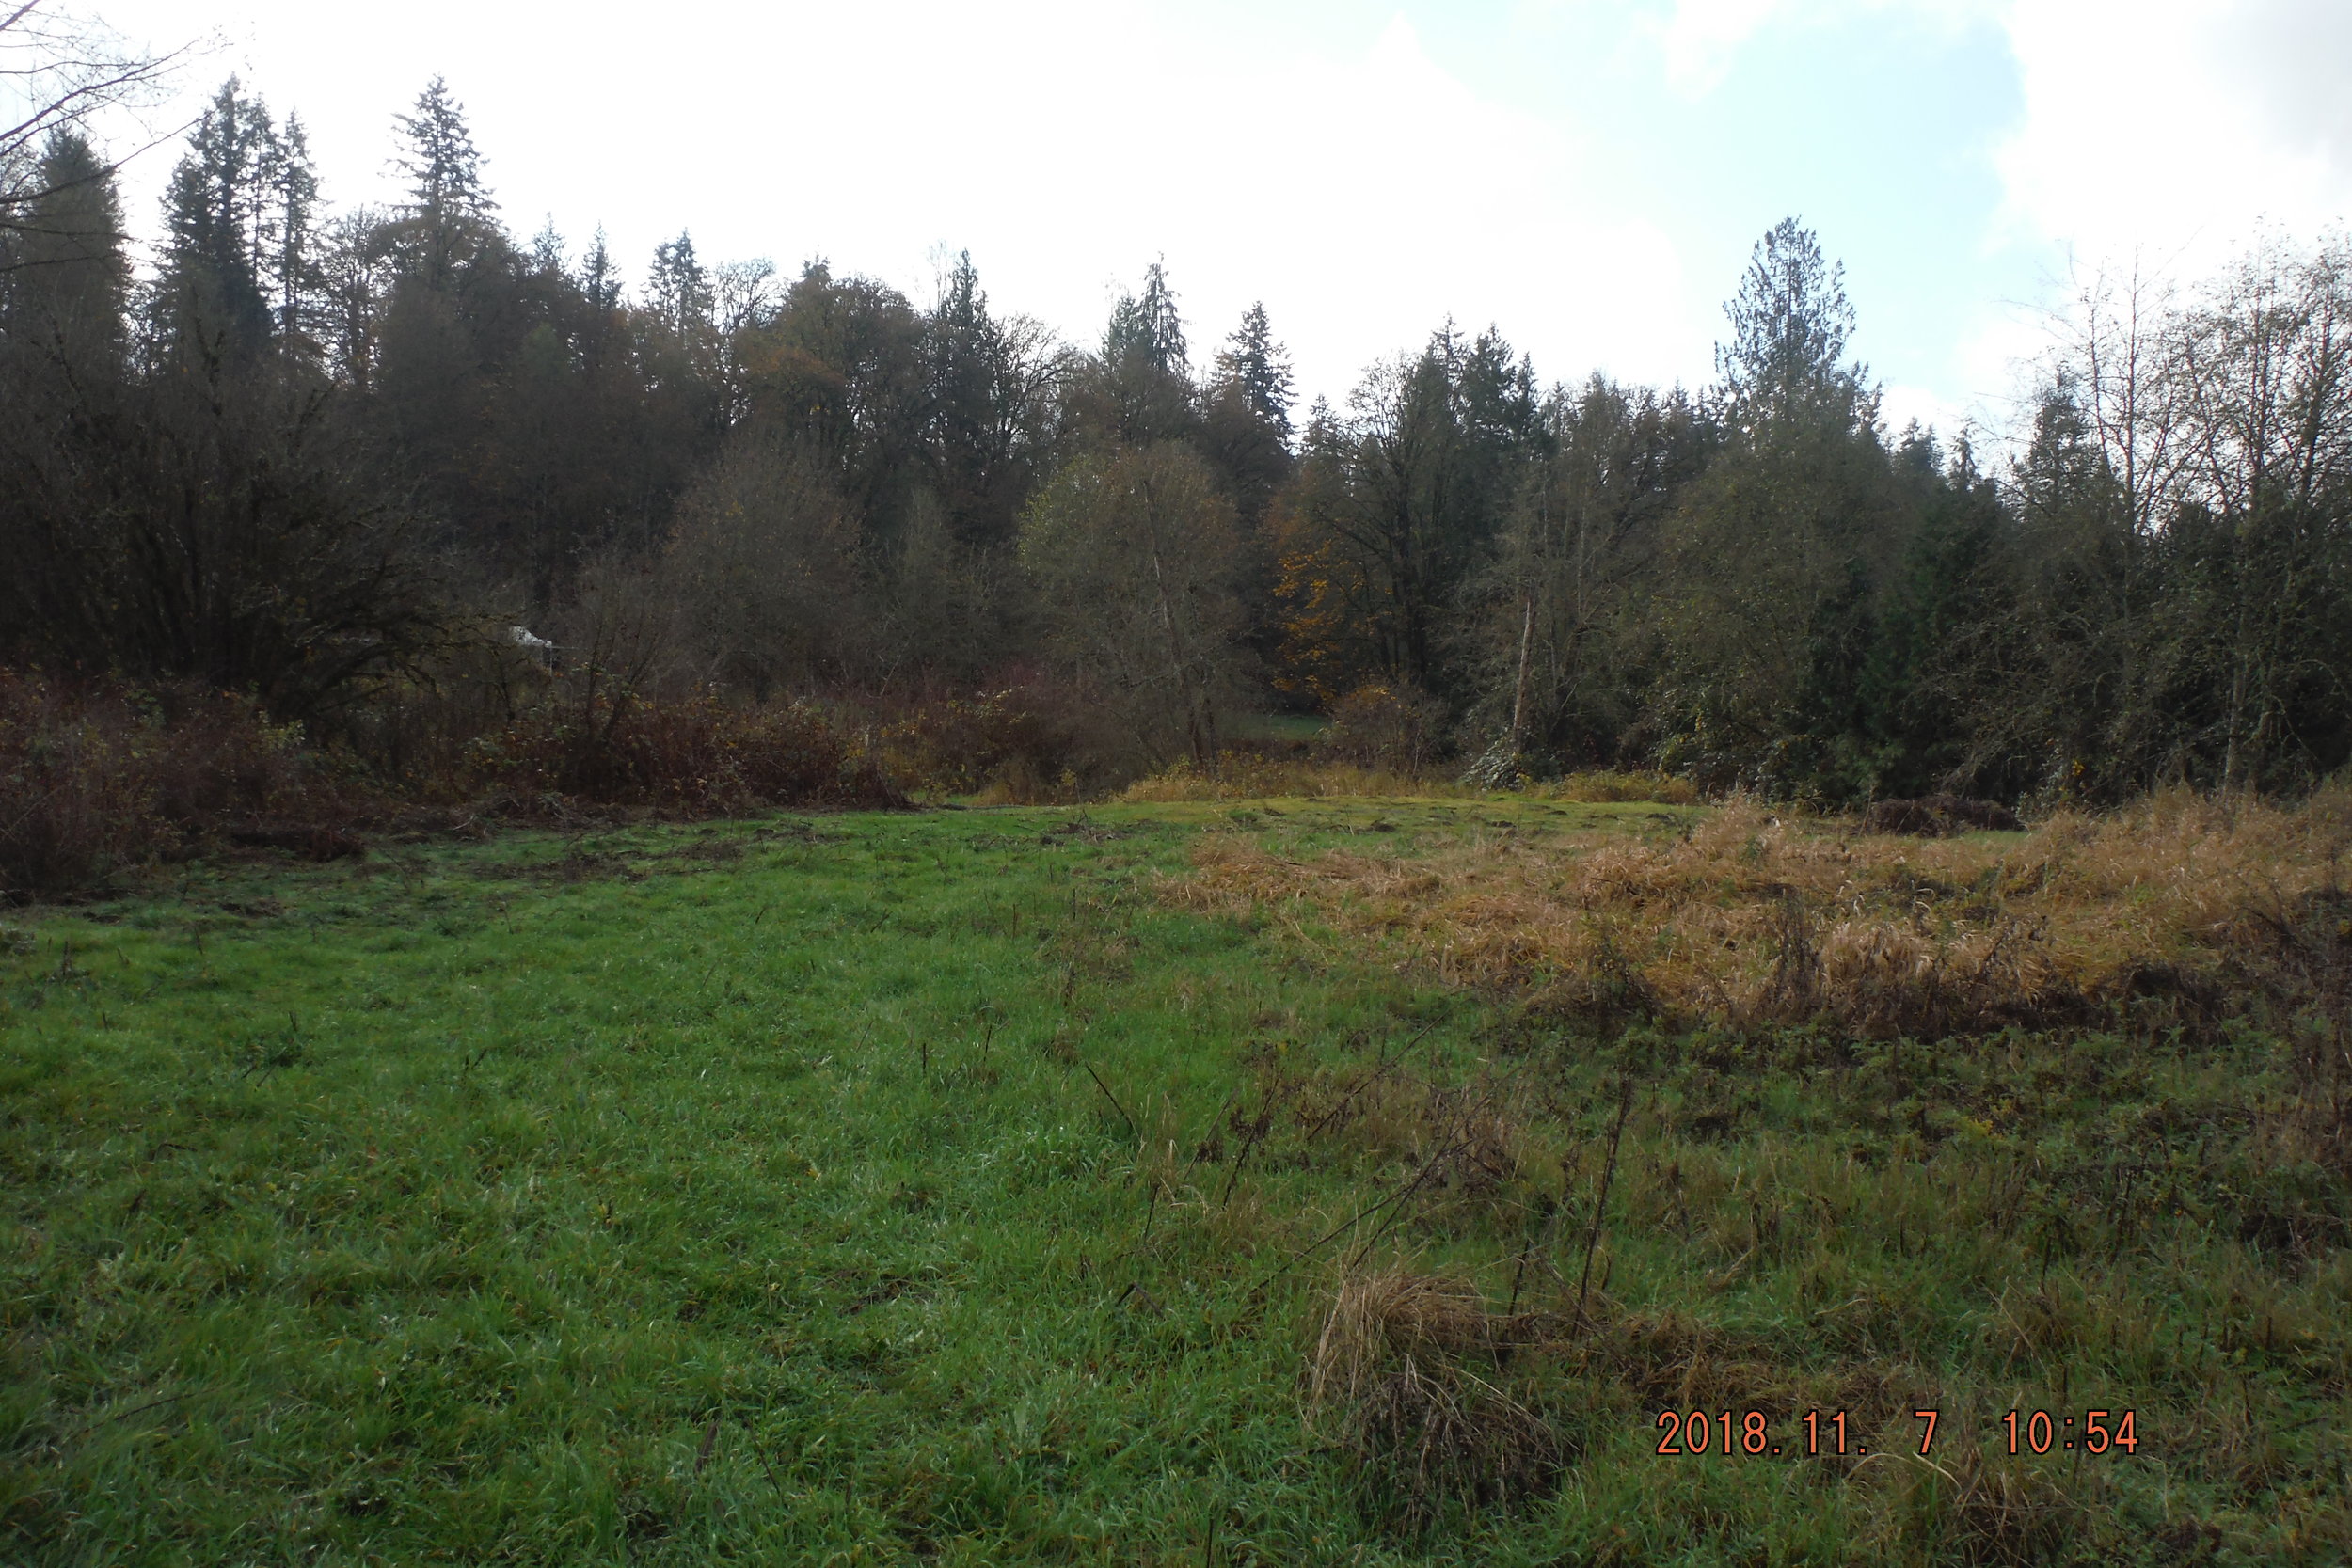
(1518, 689)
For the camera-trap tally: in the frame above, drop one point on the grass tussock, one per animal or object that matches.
(1242, 777)
(1607, 787)
(2176, 913)
(1410, 1376)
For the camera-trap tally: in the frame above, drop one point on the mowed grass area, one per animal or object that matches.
(940, 1188)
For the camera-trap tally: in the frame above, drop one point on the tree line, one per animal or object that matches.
(330, 457)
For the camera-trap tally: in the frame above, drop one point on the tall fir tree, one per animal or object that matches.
(68, 283)
(1259, 368)
(221, 221)
(447, 214)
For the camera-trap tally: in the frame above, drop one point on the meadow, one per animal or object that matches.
(1183, 1181)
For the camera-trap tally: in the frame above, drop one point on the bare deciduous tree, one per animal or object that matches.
(59, 72)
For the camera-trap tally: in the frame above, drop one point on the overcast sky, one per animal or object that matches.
(1588, 175)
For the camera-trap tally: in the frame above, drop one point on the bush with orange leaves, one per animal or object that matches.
(2183, 910)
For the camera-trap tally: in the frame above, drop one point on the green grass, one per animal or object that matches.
(871, 1189)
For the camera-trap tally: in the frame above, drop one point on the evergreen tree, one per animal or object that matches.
(294, 278)
(1146, 327)
(221, 212)
(1139, 389)
(447, 214)
(1781, 549)
(1259, 369)
(1790, 323)
(547, 250)
(64, 294)
(1397, 507)
(678, 288)
(975, 425)
(599, 278)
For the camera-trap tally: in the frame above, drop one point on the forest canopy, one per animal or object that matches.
(402, 476)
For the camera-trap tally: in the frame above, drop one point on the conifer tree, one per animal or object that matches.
(1148, 327)
(1791, 323)
(68, 285)
(448, 208)
(1259, 368)
(294, 277)
(1141, 387)
(679, 288)
(220, 215)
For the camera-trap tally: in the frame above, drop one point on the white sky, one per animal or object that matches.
(1586, 174)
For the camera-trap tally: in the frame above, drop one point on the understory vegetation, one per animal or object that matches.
(1152, 1182)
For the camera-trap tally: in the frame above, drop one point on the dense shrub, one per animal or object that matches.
(1033, 740)
(698, 754)
(1394, 726)
(96, 777)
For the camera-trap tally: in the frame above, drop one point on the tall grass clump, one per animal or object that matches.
(1244, 776)
(1411, 1377)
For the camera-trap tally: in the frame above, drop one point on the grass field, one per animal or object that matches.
(963, 1187)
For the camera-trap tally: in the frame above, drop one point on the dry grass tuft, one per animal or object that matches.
(1241, 777)
(1408, 1366)
(2176, 913)
(1976, 1507)
(1468, 1138)
(1611, 788)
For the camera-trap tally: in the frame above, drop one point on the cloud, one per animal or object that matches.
(1699, 37)
(1339, 172)
(2169, 129)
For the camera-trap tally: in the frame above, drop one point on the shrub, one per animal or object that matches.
(698, 755)
(1395, 727)
(1032, 740)
(98, 777)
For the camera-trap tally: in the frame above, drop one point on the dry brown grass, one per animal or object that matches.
(1244, 777)
(1251, 778)
(2181, 910)
(1972, 1505)
(1408, 1368)
(1605, 787)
